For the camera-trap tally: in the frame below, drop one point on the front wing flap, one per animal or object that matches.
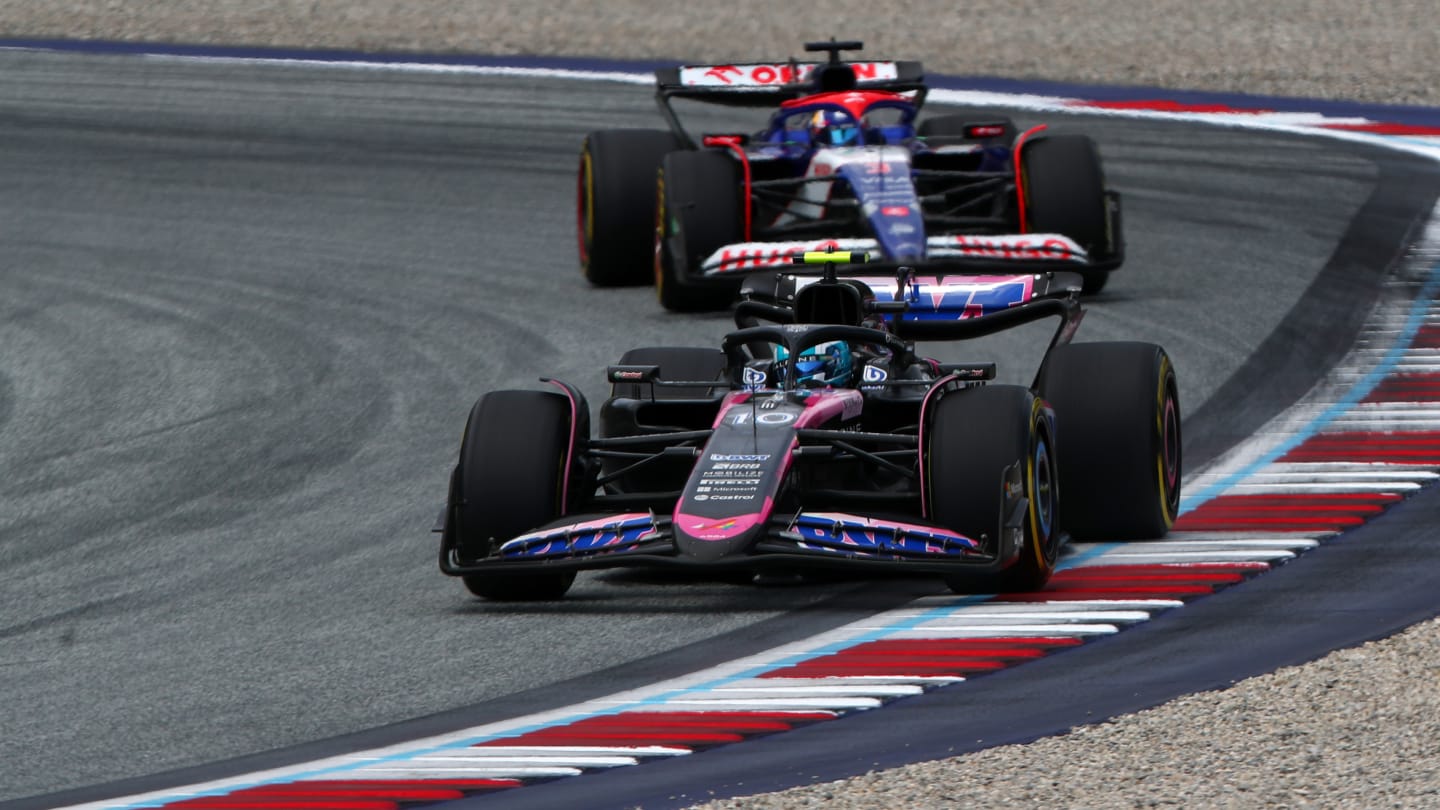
(829, 539)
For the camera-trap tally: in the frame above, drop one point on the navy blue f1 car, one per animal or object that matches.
(844, 163)
(816, 436)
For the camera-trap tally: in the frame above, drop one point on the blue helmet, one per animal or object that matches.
(820, 365)
(834, 128)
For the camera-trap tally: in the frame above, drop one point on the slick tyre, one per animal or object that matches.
(981, 442)
(1064, 188)
(615, 203)
(1117, 424)
(511, 478)
(699, 209)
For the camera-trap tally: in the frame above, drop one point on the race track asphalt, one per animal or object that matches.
(245, 308)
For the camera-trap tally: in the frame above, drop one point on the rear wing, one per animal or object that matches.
(765, 84)
(768, 84)
(915, 306)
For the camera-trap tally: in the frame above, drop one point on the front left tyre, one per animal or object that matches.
(991, 472)
(511, 478)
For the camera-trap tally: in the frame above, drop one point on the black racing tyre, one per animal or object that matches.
(699, 209)
(1064, 187)
(978, 440)
(953, 128)
(1117, 425)
(511, 479)
(615, 199)
(676, 363)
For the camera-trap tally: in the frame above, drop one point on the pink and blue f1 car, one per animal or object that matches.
(816, 436)
(845, 163)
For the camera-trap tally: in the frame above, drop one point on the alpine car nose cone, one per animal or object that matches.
(731, 491)
(729, 497)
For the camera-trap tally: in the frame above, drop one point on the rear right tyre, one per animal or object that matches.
(1117, 417)
(698, 211)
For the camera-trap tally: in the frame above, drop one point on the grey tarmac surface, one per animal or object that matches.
(245, 310)
(1325, 49)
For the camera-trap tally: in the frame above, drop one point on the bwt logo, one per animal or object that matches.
(739, 457)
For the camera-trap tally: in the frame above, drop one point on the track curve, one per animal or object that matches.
(245, 309)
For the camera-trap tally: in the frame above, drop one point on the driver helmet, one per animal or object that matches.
(833, 128)
(830, 363)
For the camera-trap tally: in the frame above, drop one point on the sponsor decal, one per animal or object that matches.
(896, 211)
(1046, 246)
(731, 477)
(773, 74)
(754, 255)
(752, 378)
(720, 525)
(874, 374)
(724, 74)
(744, 417)
(757, 255)
(627, 375)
